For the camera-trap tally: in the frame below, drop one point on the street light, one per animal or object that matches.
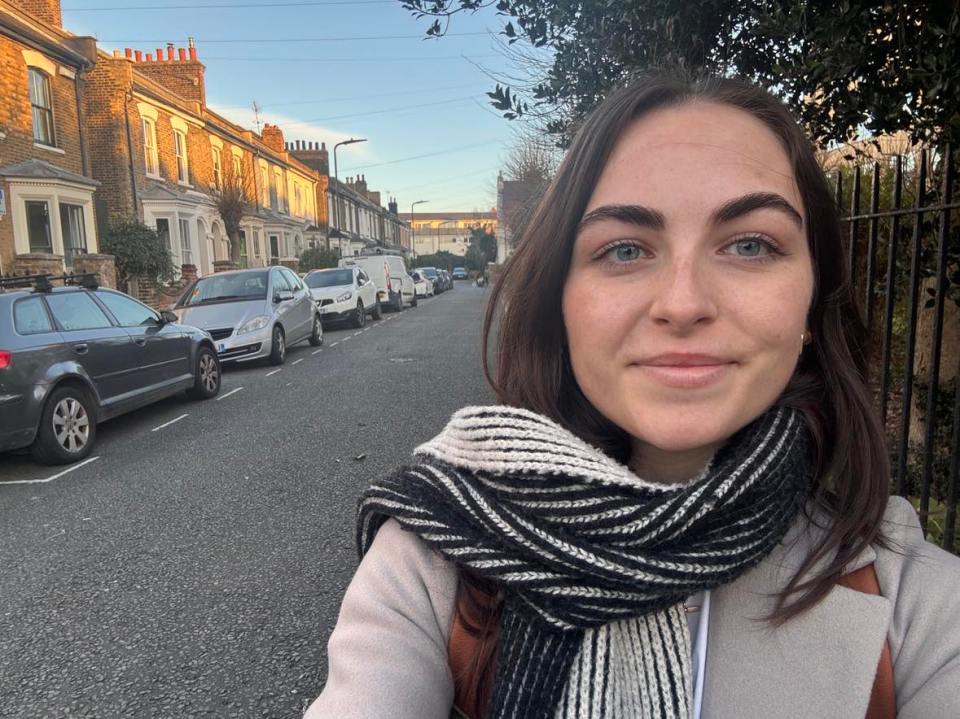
(336, 177)
(413, 233)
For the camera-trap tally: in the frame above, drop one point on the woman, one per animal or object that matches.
(664, 514)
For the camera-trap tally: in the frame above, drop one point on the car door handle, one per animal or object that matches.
(81, 348)
(140, 341)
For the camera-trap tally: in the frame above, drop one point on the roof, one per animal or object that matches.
(43, 170)
(161, 192)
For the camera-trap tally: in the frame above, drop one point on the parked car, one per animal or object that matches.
(432, 274)
(447, 279)
(389, 274)
(252, 314)
(73, 357)
(345, 293)
(460, 273)
(423, 286)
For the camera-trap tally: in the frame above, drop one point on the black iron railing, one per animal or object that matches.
(903, 251)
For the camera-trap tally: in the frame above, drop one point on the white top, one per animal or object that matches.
(698, 624)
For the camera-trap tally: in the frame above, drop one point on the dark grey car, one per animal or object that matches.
(71, 357)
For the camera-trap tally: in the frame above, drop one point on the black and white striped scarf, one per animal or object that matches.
(594, 560)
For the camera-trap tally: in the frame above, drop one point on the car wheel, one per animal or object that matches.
(206, 383)
(278, 346)
(68, 427)
(377, 312)
(359, 316)
(316, 337)
(398, 304)
(414, 303)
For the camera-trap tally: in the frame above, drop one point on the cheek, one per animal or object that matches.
(596, 322)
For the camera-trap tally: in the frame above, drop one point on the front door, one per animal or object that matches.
(163, 350)
(274, 248)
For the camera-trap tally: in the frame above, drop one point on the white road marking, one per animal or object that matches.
(270, 374)
(345, 339)
(334, 344)
(295, 362)
(233, 391)
(316, 352)
(167, 424)
(56, 476)
(355, 334)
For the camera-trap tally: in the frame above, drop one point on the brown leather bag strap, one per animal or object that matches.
(883, 697)
(464, 646)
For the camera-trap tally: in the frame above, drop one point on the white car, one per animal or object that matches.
(344, 293)
(422, 284)
(389, 274)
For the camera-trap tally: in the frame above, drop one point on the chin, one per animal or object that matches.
(681, 430)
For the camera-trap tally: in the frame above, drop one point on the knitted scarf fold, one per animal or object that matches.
(594, 560)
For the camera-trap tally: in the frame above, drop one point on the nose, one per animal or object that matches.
(683, 296)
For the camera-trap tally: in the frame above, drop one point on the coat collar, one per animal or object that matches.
(819, 664)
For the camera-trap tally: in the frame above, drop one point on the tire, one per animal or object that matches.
(415, 300)
(316, 336)
(71, 409)
(206, 383)
(377, 311)
(278, 346)
(359, 316)
(398, 305)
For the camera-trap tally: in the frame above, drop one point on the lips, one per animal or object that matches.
(686, 370)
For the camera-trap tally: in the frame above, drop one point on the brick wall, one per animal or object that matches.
(16, 123)
(106, 99)
(47, 11)
(181, 76)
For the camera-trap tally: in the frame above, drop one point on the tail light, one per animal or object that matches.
(5, 359)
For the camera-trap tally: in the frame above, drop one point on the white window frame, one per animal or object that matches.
(49, 111)
(186, 248)
(53, 192)
(281, 194)
(151, 158)
(180, 153)
(217, 155)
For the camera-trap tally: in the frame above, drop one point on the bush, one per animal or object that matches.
(138, 252)
(318, 258)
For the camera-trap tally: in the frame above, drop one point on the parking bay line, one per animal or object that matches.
(270, 374)
(296, 362)
(233, 391)
(316, 352)
(167, 424)
(334, 344)
(56, 476)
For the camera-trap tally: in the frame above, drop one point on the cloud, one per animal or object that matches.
(294, 129)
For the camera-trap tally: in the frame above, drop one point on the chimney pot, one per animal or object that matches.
(149, 57)
(116, 53)
(192, 51)
(138, 56)
(182, 54)
(159, 54)
(127, 53)
(170, 52)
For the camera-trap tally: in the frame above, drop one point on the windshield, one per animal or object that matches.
(330, 278)
(429, 272)
(227, 287)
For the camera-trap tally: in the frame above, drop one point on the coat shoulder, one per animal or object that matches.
(922, 581)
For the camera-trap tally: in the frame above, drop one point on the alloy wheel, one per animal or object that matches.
(278, 338)
(71, 426)
(209, 374)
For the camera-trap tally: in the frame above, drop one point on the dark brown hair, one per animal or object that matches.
(829, 386)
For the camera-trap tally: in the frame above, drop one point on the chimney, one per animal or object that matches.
(272, 137)
(179, 72)
(392, 207)
(46, 11)
(137, 56)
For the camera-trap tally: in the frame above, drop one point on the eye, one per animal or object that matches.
(622, 253)
(756, 248)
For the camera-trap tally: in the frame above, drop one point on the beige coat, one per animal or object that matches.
(388, 652)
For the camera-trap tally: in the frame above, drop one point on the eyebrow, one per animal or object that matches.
(731, 210)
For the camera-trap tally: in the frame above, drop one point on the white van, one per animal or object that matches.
(395, 286)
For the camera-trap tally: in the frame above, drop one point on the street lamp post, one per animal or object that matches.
(336, 177)
(413, 233)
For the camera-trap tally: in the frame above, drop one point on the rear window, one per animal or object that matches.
(30, 317)
(77, 311)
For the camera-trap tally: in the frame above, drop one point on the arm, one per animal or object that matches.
(388, 651)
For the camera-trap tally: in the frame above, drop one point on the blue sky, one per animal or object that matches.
(432, 134)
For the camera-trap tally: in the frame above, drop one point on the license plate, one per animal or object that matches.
(221, 348)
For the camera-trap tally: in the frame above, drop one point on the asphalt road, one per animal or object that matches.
(195, 568)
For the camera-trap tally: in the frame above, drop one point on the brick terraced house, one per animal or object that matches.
(48, 219)
(161, 154)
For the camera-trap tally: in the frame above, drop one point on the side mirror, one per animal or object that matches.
(283, 296)
(168, 317)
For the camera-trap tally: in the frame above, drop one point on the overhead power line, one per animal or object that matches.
(296, 39)
(445, 151)
(230, 6)
(343, 59)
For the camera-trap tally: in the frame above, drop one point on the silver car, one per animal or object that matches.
(252, 314)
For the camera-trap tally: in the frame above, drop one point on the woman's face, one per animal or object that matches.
(693, 243)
